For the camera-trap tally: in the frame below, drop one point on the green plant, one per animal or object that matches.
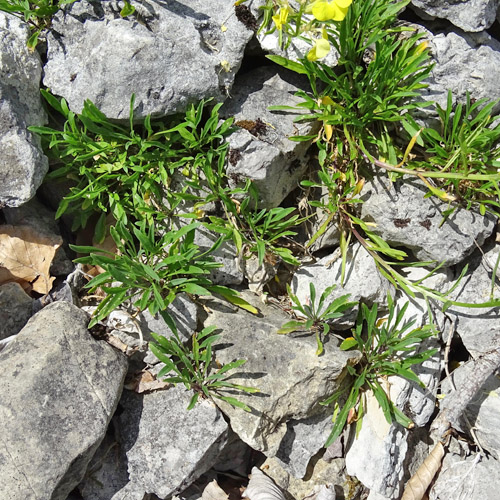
(379, 71)
(254, 230)
(193, 366)
(316, 316)
(464, 154)
(37, 13)
(128, 170)
(157, 263)
(389, 347)
(361, 101)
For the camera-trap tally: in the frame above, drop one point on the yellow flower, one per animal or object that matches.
(335, 10)
(320, 50)
(321, 47)
(281, 17)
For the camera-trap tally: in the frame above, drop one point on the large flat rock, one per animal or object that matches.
(470, 15)
(167, 447)
(170, 54)
(403, 217)
(59, 390)
(292, 380)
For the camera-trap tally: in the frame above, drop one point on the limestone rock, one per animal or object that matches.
(292, 380)
(362, 281)
(166, 447)
(302, 441)
(321, 474)
(107, 476)
(22, 163)
(420, 402)
(59, 390)
(127, 328)
(261, 149)
(15, 309)
(467, 478)
(170, 54)
(376, 456)
(469, 15)
(463, 62)
(482, 412)
(479, 328)
(403, 217)
(230, 272)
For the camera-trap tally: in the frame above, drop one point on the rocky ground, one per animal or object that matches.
(82, 414)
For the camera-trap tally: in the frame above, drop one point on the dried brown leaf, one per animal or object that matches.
(26, 255)
(145, 381)
(420, 481)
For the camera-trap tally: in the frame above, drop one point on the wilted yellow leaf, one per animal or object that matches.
(26, 255)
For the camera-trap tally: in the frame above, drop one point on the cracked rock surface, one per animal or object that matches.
(170, 54)
(59, 389)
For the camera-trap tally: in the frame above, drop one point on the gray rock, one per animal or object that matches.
(15, 309)
(236, 456)
(303, 439)
(22, 163)
(463, 62)
(257, 275)
(129, 328)
(483, 410)
(376, 456)
(59, 390)
(403, 217)
(479, 328)
(230, 272)
(421, 402)
(183, 311)
(319, 475)
(107, 476)
(464, 479)
(265, 154)
(170, 54)
(291, 379)
(168, 447)
(469, 15)
(362, 281)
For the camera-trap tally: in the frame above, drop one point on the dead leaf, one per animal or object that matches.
(145, 381)
(420, 481)
(26, 255)
(85, 237)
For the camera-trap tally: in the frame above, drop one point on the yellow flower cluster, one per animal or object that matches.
(323, 10)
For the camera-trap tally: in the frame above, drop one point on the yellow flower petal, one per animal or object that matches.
(335, 10)
(326, 100)
(323, 11)
(328, 131)
(280, 18)
(320, 50)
